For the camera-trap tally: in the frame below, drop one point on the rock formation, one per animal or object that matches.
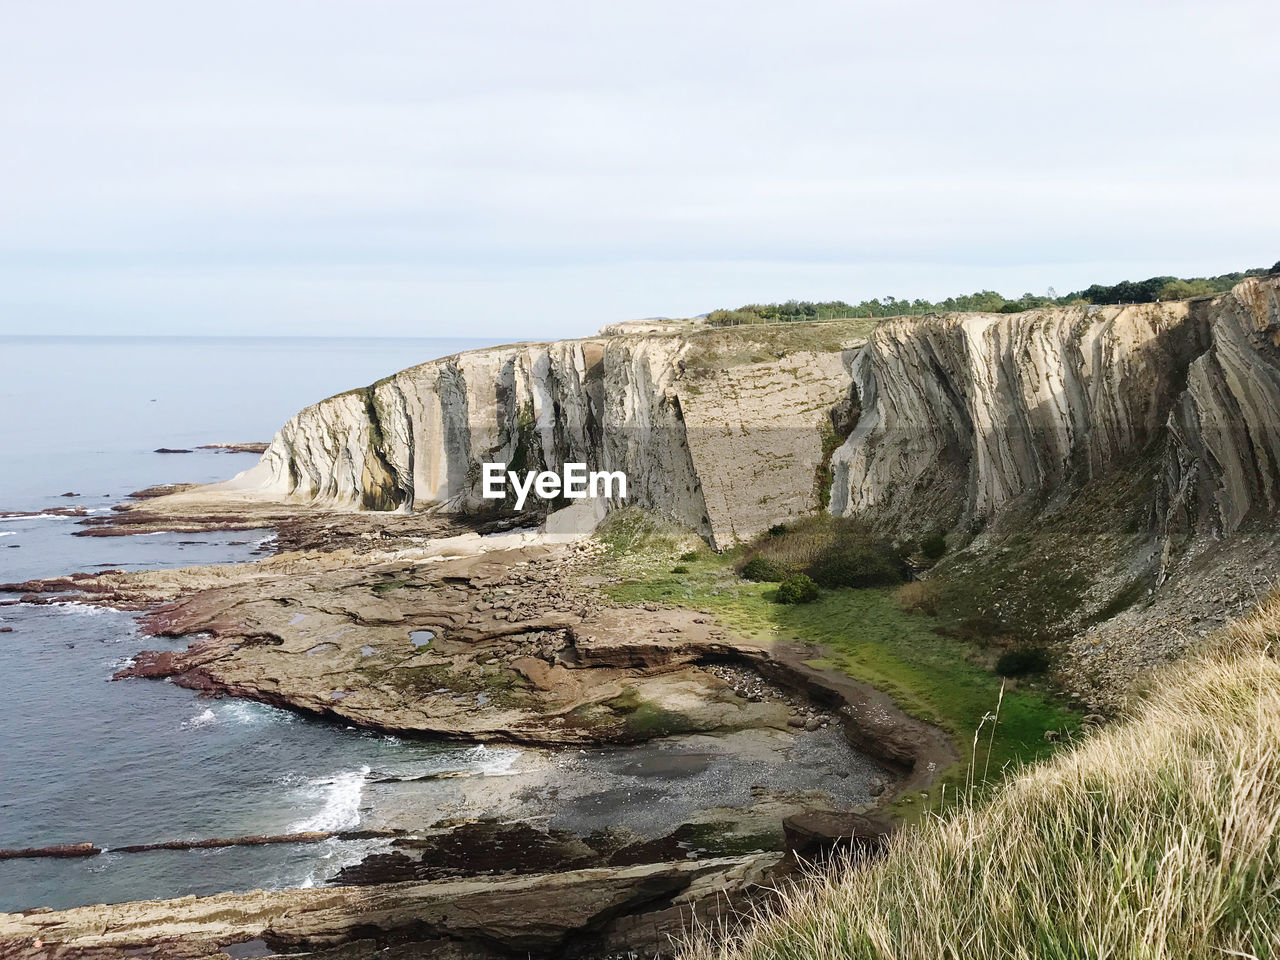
(1222, 465)
(628, 911)
(960, 416)
(726, 456)
(1159, 423)
(963, 414)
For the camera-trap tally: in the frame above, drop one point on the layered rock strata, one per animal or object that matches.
(964, 415)
(960, 416)
(725, 456)
(631, 911)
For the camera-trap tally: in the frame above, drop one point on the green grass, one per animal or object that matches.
(714, 348)
(872, 639)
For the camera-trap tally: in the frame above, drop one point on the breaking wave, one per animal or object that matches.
(340, 798)
(246, 714)
(200, 720)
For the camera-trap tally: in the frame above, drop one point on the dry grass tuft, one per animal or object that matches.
(1154, 838)
(919, 596)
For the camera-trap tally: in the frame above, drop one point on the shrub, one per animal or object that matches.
(857, 562)
(919, 596)
(762, 570)
(679, 568)
(689, 555)
(834, 551)
(1021, 662)
(632, 530)
(797, 589)
(934, 546)
(796, 546)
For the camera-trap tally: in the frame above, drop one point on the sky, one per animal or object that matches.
(502, 169)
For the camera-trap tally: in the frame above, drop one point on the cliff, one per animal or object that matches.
(1097, 469)
(947, 420)
(722, 442)
(964, 415)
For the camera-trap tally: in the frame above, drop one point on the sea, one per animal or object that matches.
(83, 758)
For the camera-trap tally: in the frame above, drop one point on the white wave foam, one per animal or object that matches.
(332, 856)
(8, 533)
(200, 720)
(341, 807)
(76, 606)
(43, 516)
(493, 763)
(246, 714)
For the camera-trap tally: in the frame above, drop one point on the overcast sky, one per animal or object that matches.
(536, 169)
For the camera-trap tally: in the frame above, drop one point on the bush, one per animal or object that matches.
(689, 555)
(1021, 662)
(919, 596)
(762, 570)
(934, 546)
(834, 551)
(857, 562)
(679, 568)
(797, 589)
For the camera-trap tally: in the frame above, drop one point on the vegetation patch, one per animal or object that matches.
(933, 546)
(833, 551)
(632, 532)
(797, 589)
(870, 637)
(823, 476)
(629, 717)
(983, 301)
(1034, 584)
(1022, 662)
(762, 570)
(712, 350)
(919, 596)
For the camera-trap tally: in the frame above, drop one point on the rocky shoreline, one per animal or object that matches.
(382, 622)
(427, 626)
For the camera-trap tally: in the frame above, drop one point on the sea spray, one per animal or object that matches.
(201, 720)
(341, 802)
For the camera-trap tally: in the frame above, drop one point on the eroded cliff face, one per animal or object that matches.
(963, 416)
(725, 456)
(1222, 465)
(955, 419)
(416, 440)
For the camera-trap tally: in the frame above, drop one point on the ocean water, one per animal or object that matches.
(114, 763)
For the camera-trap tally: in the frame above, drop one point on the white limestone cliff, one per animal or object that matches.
(953, 419)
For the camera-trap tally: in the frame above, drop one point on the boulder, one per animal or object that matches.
(819, 833)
